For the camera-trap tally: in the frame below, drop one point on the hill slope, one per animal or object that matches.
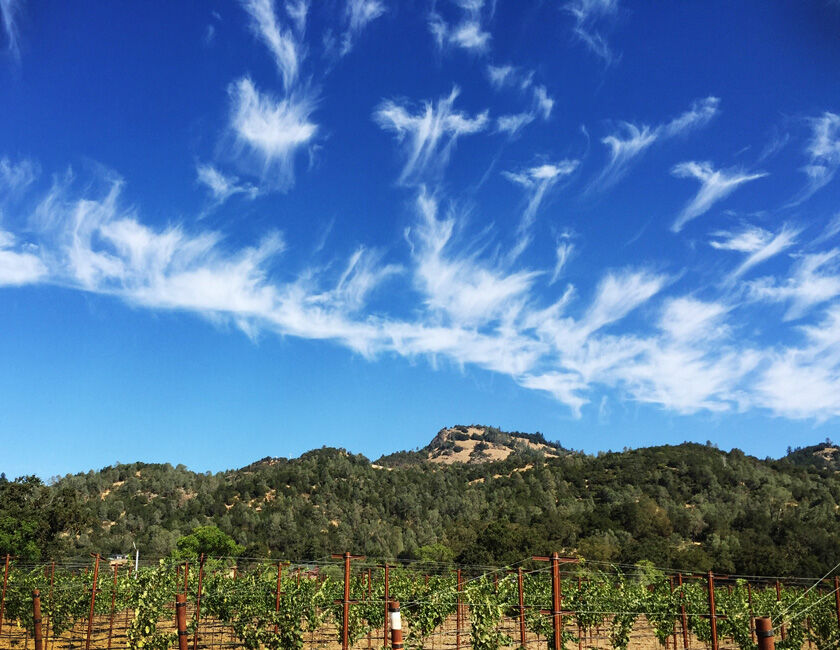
(687, 506)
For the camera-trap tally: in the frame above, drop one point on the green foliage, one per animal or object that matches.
(208, 541)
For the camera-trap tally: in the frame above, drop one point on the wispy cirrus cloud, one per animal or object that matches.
(509, 76)
(284, 43)
(715, 185)
(270, 130)
(18, 266)
(757, 243)
(468, 33)
(630, 141)
(9, 10)
(467, 305)
(15, 177)
(428, 132)
(537, 182)
(222, 186)
(814, 280)
(823, 151)
(359, 14)
(590, 16)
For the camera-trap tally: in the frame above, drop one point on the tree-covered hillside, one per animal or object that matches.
(688, 506)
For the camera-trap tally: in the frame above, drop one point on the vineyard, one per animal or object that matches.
(342, 601)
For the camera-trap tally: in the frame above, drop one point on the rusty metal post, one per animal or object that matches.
(3, 599)
(181, 620)
(385, 627)
(764, 627)
(345, 621)
(458, 609)
(521, 607)
(36, 619)
(683, 618)
(93, 589)
(712, 614)
(556, 610)
(198, 600)
(396, 625)
(113, 606)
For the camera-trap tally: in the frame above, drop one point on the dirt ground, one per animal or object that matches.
(213, 635)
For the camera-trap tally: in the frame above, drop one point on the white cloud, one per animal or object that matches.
(544, 104)
(588, 14)
(272, 130)
(715, 185)
(759, 244)
(282, 42)
(815, 279)
(801, 381)
(18, 267)
(537, 182)
(222, 186)
(466, 305)
(360, 13)
(512, 124)
(823, 151)
(501, 75)
(8, 12)
(631, 140)
(456, 283)
(468, 33)
(564, 251)
(429, 134)
(17, 176)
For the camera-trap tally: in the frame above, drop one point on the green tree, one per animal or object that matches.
(208, 540)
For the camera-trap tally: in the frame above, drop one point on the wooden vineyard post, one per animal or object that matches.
(198, 600)
(181, 620)
(712, 613)
(458, 609)
(3, 599)
(345, 620)
(752, 617)
(385, 626)
(92, 599)
(113, 606)
(764, 632)
(521, 607)
(580, 628)
(683, 618)
(396, 625)
(557, 595)
(36, 619)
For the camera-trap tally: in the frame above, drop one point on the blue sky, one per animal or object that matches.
(247, 228)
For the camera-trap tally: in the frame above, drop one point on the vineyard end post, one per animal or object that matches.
(181, 620)
(556, 594)
(396, 625)
(36, 618)
(385, 626)
(764, 632)
(458, 609)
